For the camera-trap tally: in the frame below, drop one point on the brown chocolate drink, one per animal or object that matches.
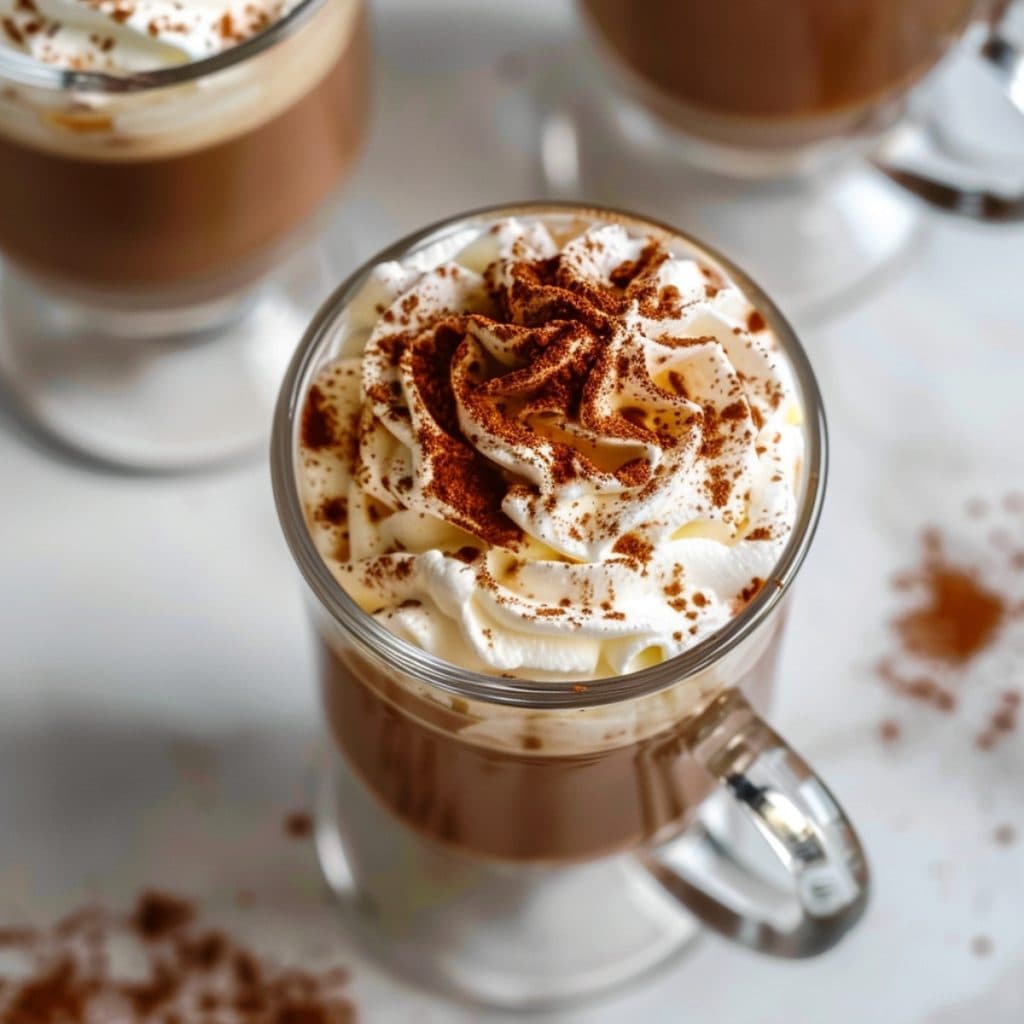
(194, 186)
(525, 804)
(753, 73)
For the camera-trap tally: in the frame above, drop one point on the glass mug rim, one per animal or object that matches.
(379, 642)
(25, 70)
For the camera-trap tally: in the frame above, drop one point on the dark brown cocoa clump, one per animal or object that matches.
(69, 976)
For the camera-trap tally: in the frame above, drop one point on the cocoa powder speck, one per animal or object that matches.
(157, 965)
(957, 629)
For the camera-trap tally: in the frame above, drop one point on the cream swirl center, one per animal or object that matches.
(552, 458)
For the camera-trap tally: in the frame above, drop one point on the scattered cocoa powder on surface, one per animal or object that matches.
(298, 825)
(958, 619)
(1004, 835)
(1001, 722)
(156, 965)
(921, 687)
(890, 731)
(960, 609)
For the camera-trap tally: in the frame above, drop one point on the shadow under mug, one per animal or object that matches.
(776, 131)
(528, 844)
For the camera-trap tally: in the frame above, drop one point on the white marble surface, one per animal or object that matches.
(157, 710)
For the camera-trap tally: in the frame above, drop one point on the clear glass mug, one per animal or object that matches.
(161, 235)
(527, 843)
(774, 130)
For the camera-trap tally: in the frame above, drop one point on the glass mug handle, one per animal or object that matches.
(1005, 57)
(804, 826)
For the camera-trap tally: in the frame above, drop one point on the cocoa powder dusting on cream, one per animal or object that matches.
(634, 548)
(318, 422)
(532, 414)
(469, 485)
(559, 337)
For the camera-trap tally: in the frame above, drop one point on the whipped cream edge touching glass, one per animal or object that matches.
(125, 36)
(551, 459)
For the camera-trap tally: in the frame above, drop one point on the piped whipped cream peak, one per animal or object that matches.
(553, 457)
(122, 36)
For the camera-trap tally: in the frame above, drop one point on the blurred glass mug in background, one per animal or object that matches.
(161, 228)
(749, 123)
(529, 841)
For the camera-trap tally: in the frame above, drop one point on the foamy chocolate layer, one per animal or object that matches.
(565, 458)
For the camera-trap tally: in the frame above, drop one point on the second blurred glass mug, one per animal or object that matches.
(748, 122)
(162, 234)
(534, 876)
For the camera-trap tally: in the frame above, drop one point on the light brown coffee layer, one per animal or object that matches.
(220, 210)
(525, 805)
(823, 61)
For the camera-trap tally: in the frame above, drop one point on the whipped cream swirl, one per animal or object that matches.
(122, 36)
(554, 459)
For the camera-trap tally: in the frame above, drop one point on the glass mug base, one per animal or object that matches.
(150, 388)
(519, 937)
